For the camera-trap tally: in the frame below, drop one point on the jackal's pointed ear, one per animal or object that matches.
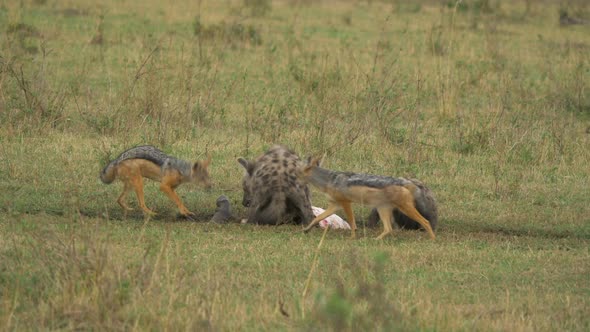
(197, 166)
(314, 161)
(207, 162)
(248, 166)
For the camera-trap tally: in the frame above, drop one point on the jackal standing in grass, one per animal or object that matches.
(381, 192)
(147, 161)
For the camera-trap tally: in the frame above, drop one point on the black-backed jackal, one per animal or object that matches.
(381, 192)
(147, 161)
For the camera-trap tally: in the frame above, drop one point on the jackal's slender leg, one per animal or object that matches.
(122, 200)
(385, 214)
(350, 215)
(407, 207)
(137, 182)
(168, 185)
(329, 211)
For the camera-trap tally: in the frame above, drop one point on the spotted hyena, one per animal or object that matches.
(272, 191)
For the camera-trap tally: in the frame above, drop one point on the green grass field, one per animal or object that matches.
(487, 102)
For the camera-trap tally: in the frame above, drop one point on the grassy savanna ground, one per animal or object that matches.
(489, 105)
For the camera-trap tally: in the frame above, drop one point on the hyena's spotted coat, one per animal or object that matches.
(272, 191)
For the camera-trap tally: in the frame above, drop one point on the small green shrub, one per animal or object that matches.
(232, 33)
(258, 7)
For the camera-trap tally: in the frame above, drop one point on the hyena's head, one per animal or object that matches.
(247, 181)
(200, 172)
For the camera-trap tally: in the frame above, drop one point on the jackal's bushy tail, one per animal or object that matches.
(146, 152)
(107, 175)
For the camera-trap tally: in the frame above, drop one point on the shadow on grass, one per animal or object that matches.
(511, 231)
(135, 215)
(459, 227)
(541, 233)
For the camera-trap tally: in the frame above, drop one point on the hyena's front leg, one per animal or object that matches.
(302, 207)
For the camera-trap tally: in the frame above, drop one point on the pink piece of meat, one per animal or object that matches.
(332, 221)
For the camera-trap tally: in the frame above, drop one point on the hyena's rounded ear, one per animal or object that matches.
(243, 162)
(246, 164)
